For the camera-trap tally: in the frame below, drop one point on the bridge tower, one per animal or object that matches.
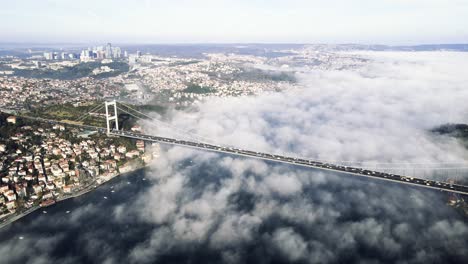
(113, 117)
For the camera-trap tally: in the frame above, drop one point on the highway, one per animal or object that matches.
(442, 186)
(65, 123)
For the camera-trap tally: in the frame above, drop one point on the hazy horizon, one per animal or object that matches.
(226, 43)
(208, 21)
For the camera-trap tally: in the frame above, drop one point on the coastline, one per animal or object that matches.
(81, 192)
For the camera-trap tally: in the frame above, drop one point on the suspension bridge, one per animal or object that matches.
(188, 139)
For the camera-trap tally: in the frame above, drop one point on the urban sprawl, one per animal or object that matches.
(43, 163)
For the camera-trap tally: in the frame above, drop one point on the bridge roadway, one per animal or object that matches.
(443, 186)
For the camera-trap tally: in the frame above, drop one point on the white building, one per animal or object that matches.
(11, 119)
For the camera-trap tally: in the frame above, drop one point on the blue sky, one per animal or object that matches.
(217, 21)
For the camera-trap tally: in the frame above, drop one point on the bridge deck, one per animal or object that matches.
(443, 186)
(454, 188)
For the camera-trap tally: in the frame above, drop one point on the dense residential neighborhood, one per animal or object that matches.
(19, 93)
(41, 164)
(56, 78)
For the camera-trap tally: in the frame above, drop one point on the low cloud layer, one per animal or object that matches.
(199, 206)
(378, 113)
(232, 210)
(242, 210)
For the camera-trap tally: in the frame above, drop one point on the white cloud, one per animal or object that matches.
(380, 112)
(221, 208)
(290, 243)
(283, 184)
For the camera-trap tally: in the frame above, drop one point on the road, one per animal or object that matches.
(443, 186)
(65, 123)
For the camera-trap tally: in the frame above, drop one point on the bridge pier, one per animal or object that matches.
(109, 118)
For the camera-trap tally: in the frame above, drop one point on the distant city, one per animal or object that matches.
(94, 53)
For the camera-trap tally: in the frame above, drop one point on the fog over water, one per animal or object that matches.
(197, 206)
(379, 112)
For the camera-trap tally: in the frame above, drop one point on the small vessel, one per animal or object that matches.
(21, 238)
(47, 203)
(67, 212)
(44, 212)
(105, 197)
(112, 191)
(128, 182)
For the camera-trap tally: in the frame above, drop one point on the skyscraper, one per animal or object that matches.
(116, 52)
(49, 55)
(108, 51)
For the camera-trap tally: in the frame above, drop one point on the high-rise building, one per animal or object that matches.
(86, 55)
(49, 55)
(108, 51)
(102, 54)
(116, 52)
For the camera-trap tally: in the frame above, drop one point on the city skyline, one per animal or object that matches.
(145, 21)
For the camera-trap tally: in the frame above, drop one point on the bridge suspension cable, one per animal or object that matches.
(94, 109)
(363, 164)
(139, 118)
(181, 132)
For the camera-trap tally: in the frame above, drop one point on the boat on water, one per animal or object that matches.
(47, 203)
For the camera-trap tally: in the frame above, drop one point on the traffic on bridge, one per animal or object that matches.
(432, 184)
(454, 188)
